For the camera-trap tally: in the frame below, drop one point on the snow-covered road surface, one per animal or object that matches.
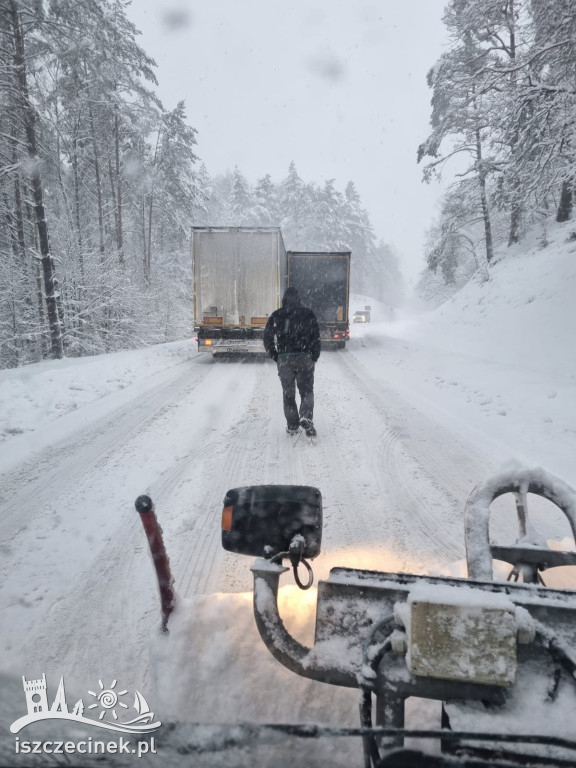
(402, 442)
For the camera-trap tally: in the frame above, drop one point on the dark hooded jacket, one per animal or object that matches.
(292, 329)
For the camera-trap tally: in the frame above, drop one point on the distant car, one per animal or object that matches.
(362, 316)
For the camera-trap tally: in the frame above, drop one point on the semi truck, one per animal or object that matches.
(239, 279)
(323, 281)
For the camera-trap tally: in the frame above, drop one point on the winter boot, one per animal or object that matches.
(308, 427)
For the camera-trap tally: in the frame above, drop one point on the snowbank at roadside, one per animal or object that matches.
(523, 313)
(497, 359)
(35, 395)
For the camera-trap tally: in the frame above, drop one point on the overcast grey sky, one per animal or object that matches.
(338, 86)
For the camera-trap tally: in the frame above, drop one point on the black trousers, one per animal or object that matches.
(297, 370)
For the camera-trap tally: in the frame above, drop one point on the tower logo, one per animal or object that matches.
(107, 703)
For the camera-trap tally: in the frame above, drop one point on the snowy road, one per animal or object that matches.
(394, 465)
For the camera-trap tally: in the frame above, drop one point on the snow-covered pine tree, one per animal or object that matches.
(552, 93)
(454, 243)
(240, 201)
(266, 207)
(461, 115)
(293, 205)
(174, 192)
(112, 205)
(360, 239)
(24, 134)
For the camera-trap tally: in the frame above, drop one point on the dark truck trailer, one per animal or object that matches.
(239, 280)
(323, 281)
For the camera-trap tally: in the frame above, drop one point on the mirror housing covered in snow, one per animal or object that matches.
(262, 520)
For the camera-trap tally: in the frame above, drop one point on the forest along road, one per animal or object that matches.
(78, 587)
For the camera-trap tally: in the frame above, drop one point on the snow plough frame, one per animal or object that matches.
(470, 643)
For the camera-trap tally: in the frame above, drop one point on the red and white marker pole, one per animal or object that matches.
(145, 507)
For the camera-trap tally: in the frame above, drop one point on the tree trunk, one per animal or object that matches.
(113, 195)
(104, 325)
(98, 187)
(11, 295)
(149, 245)
(516, 207)
(484, 199)
(77, 219)
(10, 229)
(40, 297)
(486, 217)
(40, 290)
(18, 207)
(144, 244)
(566, 202)
(514, 232)
(148, 256)
(119, 233)
(29, 120)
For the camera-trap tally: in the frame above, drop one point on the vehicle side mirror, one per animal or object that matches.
(262, 520)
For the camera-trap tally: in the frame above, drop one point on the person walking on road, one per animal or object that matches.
(292, 340)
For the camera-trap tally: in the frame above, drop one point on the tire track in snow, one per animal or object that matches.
(77, 457)
(270, 457)
(237, 458)
(373, 461)
(116, 590)
(354, 513)
(121, 592)
(466, 461)
(429, 471)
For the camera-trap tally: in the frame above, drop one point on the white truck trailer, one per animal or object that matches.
(239, 280)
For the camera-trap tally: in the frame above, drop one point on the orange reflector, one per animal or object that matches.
(258, 320)
(212, 320)
(227, 514)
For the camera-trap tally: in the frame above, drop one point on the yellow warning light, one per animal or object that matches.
(227, 514)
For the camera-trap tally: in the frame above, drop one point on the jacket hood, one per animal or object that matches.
(291, 298)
